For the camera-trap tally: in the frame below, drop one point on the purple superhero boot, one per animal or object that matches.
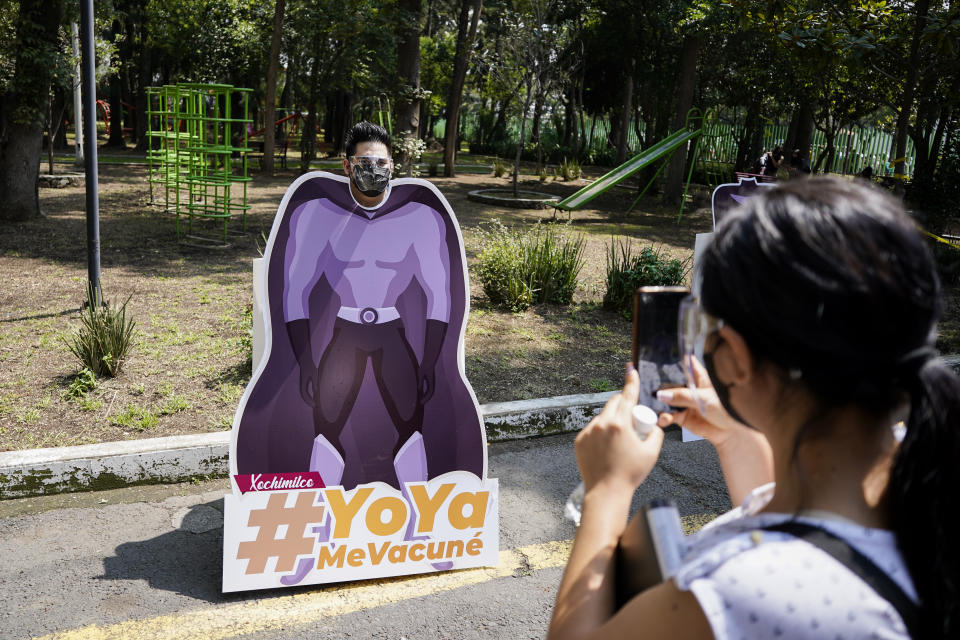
(410, 464)
(327, 461)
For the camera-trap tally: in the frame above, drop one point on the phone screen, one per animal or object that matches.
(656, 350)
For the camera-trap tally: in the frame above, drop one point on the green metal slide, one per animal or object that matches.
(660, 151)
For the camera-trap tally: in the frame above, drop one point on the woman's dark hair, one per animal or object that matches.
(365, 131)
(831, 281)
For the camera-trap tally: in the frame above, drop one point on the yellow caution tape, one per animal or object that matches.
(944, 241)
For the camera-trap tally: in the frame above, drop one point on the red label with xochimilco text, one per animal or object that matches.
(278, 481)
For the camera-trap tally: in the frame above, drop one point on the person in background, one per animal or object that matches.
(771, 161)
(816, 319)
(798, 165)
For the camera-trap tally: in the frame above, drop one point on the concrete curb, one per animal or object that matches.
(538, 200)
(177, 458)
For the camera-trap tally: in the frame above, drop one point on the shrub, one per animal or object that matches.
(102, 341)
(500, 168)
(518, 269)
(570, 170)
(626, 271)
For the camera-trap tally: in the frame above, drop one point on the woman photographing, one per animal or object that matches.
(816, 316)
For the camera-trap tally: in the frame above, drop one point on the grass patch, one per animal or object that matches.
(87, 403)
(172, 405)
(599, 385)
(135, 418)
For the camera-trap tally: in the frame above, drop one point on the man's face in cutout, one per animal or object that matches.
(367, 150)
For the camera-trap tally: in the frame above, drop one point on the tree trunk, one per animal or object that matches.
(568, 121)
(581, 138)
(19, 171)
(523, 130)
(21, 137)
(116, 100)
(144, 78)
(408, 66)
(461, 62)
(899, 149)
(308, 137)
(270, 112)
(308, 140)
(825, 161)
(747, 151)
(804, 130)
(129, 116)
(343, 103)
(593, 128)
(945, 116)
(537, 116)
(60, 104)
(686, 84)
(625, 115)
(499, 131)
(791, 139)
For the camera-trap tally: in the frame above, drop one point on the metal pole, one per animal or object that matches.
(90, 149)
(77, 102)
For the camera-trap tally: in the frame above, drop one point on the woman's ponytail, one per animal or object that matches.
(925, 493)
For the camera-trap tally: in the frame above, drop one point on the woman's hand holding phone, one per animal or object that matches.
(609, 451)
(716, 425)
(745, 455)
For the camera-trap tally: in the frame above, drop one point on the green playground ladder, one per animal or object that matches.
(198, 154)
(661, 151)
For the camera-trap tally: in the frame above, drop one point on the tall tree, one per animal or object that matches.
(686, 82)
(469, 12)
(899, 146)
(270, 110)
(408, 66)
(116, 90)
(36, 56)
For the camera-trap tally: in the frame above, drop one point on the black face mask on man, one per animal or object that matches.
(370, 180)
(723, 390)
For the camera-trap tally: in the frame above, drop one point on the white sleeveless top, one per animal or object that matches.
(756, 585)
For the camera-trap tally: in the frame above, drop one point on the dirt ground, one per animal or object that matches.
(191, 355)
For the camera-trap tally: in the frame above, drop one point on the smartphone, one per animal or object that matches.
(656, 350)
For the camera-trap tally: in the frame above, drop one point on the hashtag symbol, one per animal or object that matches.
(269, 520)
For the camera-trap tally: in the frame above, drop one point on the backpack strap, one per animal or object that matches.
(864, 568)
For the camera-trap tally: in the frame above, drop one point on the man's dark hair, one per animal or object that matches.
(365, 131)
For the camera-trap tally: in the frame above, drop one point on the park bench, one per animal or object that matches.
(279, 152)
(742, 175)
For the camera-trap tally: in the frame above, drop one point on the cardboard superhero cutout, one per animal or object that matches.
(728, 196)
(361, 387)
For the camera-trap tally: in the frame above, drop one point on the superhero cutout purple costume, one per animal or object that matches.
(362, 378)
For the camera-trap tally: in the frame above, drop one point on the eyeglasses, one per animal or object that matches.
(370, 162)
(694, 326)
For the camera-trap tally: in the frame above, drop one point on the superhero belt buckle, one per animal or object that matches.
(369, 315)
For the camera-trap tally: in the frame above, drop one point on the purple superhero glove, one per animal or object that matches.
(299, 333)
(435, 331)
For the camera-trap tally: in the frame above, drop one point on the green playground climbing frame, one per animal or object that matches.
(197, 158)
